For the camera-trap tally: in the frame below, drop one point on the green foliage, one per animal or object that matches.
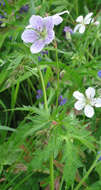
(30, 134)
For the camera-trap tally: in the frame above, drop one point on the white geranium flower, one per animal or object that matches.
(83, 22)
(87, 102)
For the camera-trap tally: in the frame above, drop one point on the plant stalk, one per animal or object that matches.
(57, 65)
(46, 107)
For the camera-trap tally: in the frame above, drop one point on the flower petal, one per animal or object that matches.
(77, 27)
(37, 46)
(79, 96)
(57, 19)
(29, 36)
(36, 22)
(48, 23)
(90, 93)
(79, 105)
(97, 102)
(89, 111)
(79, 19)
(50, 37)
(88, 21)
(82, 29)
(88, 18)
(29, 26)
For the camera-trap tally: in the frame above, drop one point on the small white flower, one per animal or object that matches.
(83, 22)
(87, 102)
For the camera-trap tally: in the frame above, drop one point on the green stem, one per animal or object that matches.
(76, 7)
(57, 64)
(46, 107)
(43, 86)
(87, 174)
(51, 173)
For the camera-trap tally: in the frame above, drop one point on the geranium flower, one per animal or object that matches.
(40, 31)
(87, 102)
(83, 22)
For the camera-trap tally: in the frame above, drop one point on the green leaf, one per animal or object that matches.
(72, 163)
(95, 186)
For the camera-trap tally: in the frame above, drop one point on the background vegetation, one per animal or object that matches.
(29, 134)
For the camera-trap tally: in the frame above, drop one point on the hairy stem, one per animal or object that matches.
(51, 173)
(43, 86)
(57, 64)
(46, 107)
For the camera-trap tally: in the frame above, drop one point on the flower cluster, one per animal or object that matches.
(87, 102)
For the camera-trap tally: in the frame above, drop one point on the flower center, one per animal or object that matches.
(43, 34)
(88, 101)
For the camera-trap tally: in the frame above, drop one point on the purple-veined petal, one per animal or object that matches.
(88, 18)
(36, 22)
(77, 27)
(57, 19)
(79, 96)
(29, 36)
(79, 19)
(48, 23)
(82, 29)
(50, 37)
(97, 102)
(79, 105)
(90, 93)
(37, 46)
(89, 111)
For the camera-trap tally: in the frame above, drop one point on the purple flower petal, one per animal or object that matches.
(39, 94)
(37, 46)
(29, 36)
(44, 52)
(36, 22)
(57, 19)
(99, 73)
(39, 58)
(61, 100)
(50, 37)
(68, 29)
(48, 85)
(48, 22)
